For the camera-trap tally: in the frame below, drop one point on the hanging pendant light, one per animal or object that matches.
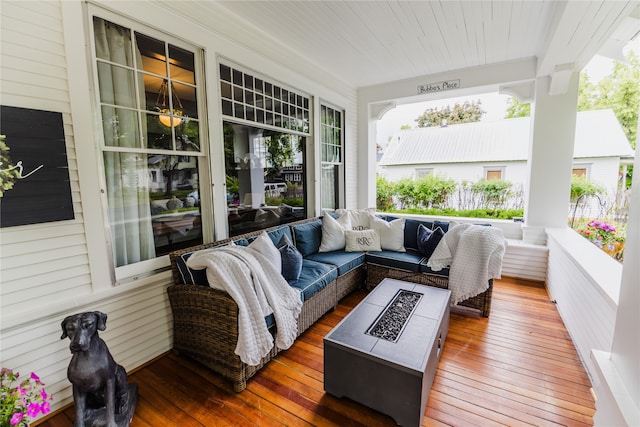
(162, 103)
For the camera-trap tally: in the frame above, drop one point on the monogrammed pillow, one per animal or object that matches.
(362, 241)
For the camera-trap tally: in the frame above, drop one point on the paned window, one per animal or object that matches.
(493, 173)
(246, 96)
(266, 126)
(332, 154)
(579, 172)
(152, 144)
(423, 172)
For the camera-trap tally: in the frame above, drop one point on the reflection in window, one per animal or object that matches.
(151, 142)
(265, 177)
(331, 139)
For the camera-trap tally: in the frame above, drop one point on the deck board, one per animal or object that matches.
(518, 367)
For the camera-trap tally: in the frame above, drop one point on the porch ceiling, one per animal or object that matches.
(370, 42)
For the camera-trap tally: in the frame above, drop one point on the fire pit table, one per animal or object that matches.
(384, 354)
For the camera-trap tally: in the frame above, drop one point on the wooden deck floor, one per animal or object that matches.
(518, 367)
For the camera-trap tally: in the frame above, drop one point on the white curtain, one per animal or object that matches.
(328, 186)
(126, 173)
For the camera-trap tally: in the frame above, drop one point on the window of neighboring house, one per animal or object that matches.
(580, 172)
(493, 173)
(266, 126)
(422, 172)
(152, 147)
(332, 153)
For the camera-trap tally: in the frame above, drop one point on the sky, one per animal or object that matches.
(494, 103)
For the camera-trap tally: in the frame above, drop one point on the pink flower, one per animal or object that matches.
(46, 408)
(43, 394)
(16, 418)
(33, 409)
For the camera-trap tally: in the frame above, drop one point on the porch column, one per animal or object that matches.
(550, 159)
(617, 380)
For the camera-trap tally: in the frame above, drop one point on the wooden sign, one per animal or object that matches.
(34, 161)
(439, 86)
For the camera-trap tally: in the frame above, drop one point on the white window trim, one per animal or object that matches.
(422, 172)
(318, 152)
(87, 127)
(488, 169)
(586, 166)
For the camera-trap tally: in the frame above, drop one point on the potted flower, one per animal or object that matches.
(605, 236)
(21, 400)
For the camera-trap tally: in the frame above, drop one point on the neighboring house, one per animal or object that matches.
(500, 149)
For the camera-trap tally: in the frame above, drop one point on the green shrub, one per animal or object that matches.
(494, 193)
(433, 191)
(384, 194)
(581, 187)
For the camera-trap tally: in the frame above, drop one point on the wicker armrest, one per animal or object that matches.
(205, 322)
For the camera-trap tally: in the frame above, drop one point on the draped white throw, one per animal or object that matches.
(474, 253)
(258, 289)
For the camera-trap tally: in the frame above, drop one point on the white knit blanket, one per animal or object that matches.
(258, 289)
(474, 253)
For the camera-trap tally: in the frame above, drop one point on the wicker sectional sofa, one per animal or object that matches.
(205, 320)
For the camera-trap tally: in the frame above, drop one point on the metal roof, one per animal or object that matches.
(598, 134)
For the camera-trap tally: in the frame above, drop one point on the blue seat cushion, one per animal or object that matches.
(424, 269)
(408, 261)
(191, 276)
(314, 277)
(345, 261)
(307, 237)
(270, 320)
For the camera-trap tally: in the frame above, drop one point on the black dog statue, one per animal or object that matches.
(101, 394)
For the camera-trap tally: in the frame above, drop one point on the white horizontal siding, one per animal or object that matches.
(138, 329)
(40, 263)
(44, 268)
(525, 261)
(586, 310)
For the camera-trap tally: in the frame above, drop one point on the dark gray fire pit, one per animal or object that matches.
(384, 354)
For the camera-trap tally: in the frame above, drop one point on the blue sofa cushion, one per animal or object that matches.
(345, 261)
(307, 237)
(428, 240)
(408, 261)
(198, 277)
(424, 269)
(314, 277)
(276, 235)
(411, 232)
(291, 259)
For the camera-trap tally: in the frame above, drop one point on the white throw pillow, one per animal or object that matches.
(333, 232)
(362, 241)
(359, 217)
(391, 233)
(265, 246)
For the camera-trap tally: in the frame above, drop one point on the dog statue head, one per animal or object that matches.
(81, 328)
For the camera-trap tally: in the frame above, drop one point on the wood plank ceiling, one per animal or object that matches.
(370, 42)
